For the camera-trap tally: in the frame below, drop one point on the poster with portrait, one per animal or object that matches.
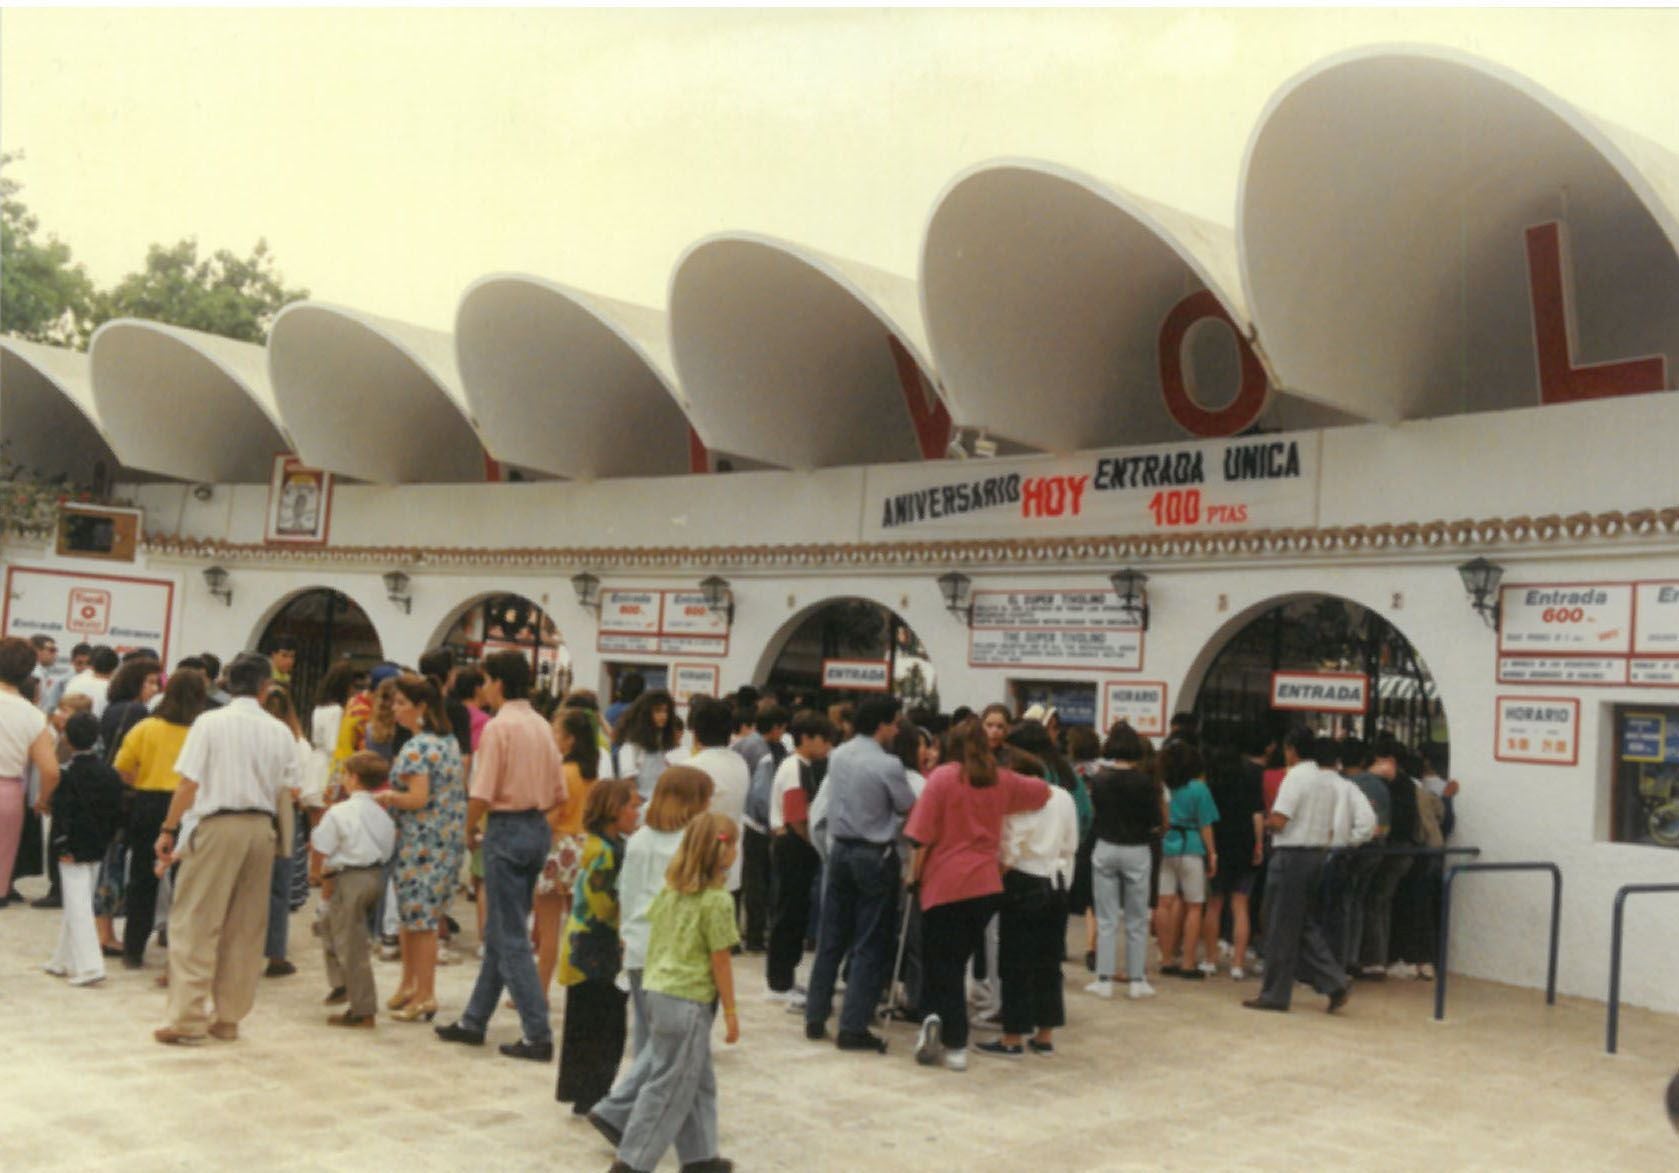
(299, 504)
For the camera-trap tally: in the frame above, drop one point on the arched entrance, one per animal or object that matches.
(844, 649)
(500, 622)
(1325, 635)
(329, 626)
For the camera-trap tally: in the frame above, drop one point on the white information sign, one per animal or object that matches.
(693, 645)
(121, 612)
(1053, 629)
(1169, 488)
(1562, 670)
(1550, 618)
(688, 681)
(631, 612)
(1116, 651)
(1656, 632)
(687, 613)
(1662, 673)
(1542, 730)
(1321, 692)
(660, 622)
(613, 642)
(859, 675)
(1139, 703)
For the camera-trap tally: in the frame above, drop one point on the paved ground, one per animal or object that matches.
(1187, 1081)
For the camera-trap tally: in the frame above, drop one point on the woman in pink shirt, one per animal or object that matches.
(956, 827)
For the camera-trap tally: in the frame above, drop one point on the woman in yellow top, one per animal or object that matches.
(146, 762)
(574, 729)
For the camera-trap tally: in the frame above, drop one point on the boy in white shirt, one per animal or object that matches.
(357, 837)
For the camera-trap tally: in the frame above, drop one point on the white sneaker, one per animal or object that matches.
(55, 970)
(1208, 968)
(928, 1049)
(796, 1002)
(956, 1060)
(1425, 972)
(1139, 989)
(777, 995)
(1101, 989)
(1224, 950)
(1400, 969)
(1237, 973)
(87, 979)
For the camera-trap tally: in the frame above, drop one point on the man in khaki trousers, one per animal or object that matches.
(237, 767)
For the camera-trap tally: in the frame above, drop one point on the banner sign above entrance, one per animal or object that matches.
(1053, 629)
(122, 613)
(660, 623)
(1542, 730)
(1241, 483)
(1139, 703)
(1321, 692)
(857, 675)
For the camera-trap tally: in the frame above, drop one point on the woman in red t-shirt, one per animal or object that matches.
(956, 827)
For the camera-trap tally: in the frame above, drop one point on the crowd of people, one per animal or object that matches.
(930, 864)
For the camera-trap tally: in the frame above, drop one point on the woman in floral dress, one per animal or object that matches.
(428, 800)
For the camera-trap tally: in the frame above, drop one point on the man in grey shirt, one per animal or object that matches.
(869, 797)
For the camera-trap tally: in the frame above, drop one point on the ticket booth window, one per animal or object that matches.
(1074, 700)
(1645, 802)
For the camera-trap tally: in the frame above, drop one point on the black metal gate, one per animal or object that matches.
(1321, 633)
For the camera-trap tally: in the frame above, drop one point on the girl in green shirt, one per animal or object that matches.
(688, 972)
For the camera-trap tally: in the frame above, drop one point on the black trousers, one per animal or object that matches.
(950, 933)
(754, 886)
(146, 813)
(591, 1043)
(1031, 932)
(793, 865)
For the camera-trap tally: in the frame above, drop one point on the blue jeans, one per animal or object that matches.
(857, 905)
(515, 848)
(1119, 880)
(279, 908)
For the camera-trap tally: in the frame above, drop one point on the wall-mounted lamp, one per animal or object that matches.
(587, 587)
(957, 589)
(1481, 579)
(1129, 584)
(397, 590)
(718, 596)
(216, 579)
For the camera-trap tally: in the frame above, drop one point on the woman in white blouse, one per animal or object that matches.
(25, 740)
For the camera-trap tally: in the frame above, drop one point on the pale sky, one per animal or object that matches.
(392, 157)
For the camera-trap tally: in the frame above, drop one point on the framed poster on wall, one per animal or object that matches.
(299, 504)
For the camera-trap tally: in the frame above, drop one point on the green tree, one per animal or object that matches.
(44, 297)
(236, 297)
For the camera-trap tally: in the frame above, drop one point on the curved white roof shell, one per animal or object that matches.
(787, 357)
(1384, 203)
(184, 403)
(568, 382)
(1045, 291)
(371, 398)
(48, 420)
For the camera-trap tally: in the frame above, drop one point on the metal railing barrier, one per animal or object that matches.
(1614, 1027)
(1446, 923)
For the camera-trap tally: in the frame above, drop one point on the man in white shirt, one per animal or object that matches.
(1303, 825)
(794, 864)
(711, 721)
(93, 683)
(234, 766)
